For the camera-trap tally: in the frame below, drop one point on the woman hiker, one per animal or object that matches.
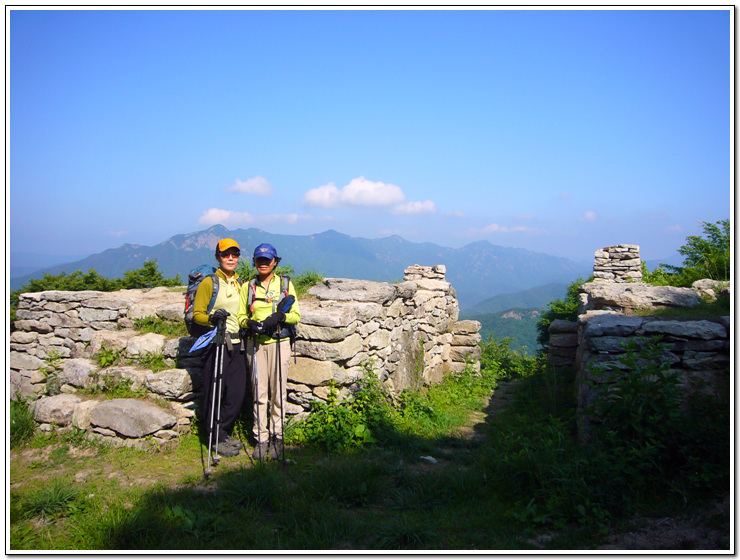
(234, 370)
(259, 314)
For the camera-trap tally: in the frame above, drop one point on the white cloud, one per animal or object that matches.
(456, 214)
(359, 192)
(426, 207)
(230, 218)
(116, 233)
(256, 185)
(495, 228)
(675, 227)
(325, 196)
(589, 216)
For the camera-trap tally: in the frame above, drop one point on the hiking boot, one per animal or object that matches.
(260, 451)
(225, 450)
(230, 441)
(276, 449)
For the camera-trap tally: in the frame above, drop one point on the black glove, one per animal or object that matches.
(218, 316)
(254, 327)
(271, 323)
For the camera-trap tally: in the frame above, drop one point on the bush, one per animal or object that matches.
(563, 309)
(705, 257)
(22, 424)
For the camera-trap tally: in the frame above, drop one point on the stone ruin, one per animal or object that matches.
(408, 334)
(618, 263)
(612, 311)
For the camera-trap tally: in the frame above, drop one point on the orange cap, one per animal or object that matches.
(226, 244)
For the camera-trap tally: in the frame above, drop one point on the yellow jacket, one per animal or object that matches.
(264, 304)
(227, 298)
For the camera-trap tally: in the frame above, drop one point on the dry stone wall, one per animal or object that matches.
(407, 333)
(614, 313)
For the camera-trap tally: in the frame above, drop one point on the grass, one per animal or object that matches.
(526, 485)
(704, 310)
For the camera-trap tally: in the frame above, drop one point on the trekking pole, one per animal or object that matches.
(217, 363)
(280, 388)
(220, 337)
(256, 384)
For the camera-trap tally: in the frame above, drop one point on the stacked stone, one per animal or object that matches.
(563, 343)
(618, 263)
(407, 333)
(697, 351)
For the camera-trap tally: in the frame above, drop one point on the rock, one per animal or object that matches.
(171, 383)
(172, 312)
(346, 289)
(630, 297)
(55, 410)
(131, 418)
(81, 414)
(609, 325)
(704, 330)
(149, 343)
(24, 361)
(77, 372)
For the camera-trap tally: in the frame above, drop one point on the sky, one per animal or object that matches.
(553, 130)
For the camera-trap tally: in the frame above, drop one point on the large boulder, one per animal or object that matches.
(627, 297)
(131, 418)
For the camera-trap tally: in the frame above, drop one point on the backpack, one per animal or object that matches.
(195, 277)
(289, 331)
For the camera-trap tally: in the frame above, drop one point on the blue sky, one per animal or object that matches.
(557, 131)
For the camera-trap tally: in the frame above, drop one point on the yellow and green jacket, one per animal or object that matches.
(228, 298)
(264, 305)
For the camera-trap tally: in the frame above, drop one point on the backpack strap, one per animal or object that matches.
(214, 292)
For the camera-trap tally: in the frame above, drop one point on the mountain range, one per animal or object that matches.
(478, 271)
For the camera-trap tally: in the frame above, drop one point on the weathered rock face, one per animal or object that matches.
(407, 333)
(627, 298)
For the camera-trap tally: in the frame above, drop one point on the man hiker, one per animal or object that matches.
(268, 311)
(234, 371)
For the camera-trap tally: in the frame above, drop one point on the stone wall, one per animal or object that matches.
(613, 312)
(407, 333)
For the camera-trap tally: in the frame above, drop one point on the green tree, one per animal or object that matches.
(148, 276)
(704, 257)
(709, 256)
(563, 309)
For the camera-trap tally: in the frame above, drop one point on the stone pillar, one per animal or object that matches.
(618, 263)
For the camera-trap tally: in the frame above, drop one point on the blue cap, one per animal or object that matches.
(265, 250)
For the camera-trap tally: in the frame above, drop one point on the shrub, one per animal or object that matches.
(22, 424)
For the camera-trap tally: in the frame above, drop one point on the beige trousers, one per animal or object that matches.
(268, 388)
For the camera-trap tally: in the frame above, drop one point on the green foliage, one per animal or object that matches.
(562, 309)
(306, 281)
(107, 357)
(148, 276)
(55, 500)
(643, 420)
(704, 257)
(338, 426)
(519, 325)
(302, 283)
(157, 325)
(22, 424)
(497, 354)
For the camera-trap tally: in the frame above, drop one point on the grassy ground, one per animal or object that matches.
(480, 463)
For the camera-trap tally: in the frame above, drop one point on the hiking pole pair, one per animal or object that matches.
(216, 387)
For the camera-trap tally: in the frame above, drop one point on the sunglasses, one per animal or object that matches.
(233, 253)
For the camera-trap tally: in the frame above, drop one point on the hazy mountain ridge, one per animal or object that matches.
(477, 271)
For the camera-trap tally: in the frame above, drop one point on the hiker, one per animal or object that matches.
(268, 331)
(225, 309)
